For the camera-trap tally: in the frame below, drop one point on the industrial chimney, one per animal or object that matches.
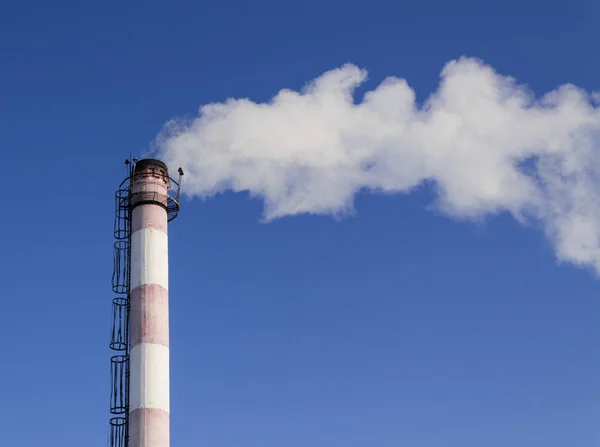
(146, 201)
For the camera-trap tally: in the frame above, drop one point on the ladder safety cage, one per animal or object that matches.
(119, 337)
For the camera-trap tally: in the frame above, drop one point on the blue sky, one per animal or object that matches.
(394, 327)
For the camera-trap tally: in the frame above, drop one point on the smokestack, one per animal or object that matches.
(149, 402)
(145, 202)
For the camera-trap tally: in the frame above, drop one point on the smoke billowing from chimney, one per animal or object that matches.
(485, 142)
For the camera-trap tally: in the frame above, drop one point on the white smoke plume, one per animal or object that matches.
(485, 142)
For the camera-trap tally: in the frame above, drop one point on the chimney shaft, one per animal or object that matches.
(149, 420)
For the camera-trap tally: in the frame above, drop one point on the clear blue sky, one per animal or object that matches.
(396, 327)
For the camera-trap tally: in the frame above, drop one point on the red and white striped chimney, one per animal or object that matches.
(149, 400)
